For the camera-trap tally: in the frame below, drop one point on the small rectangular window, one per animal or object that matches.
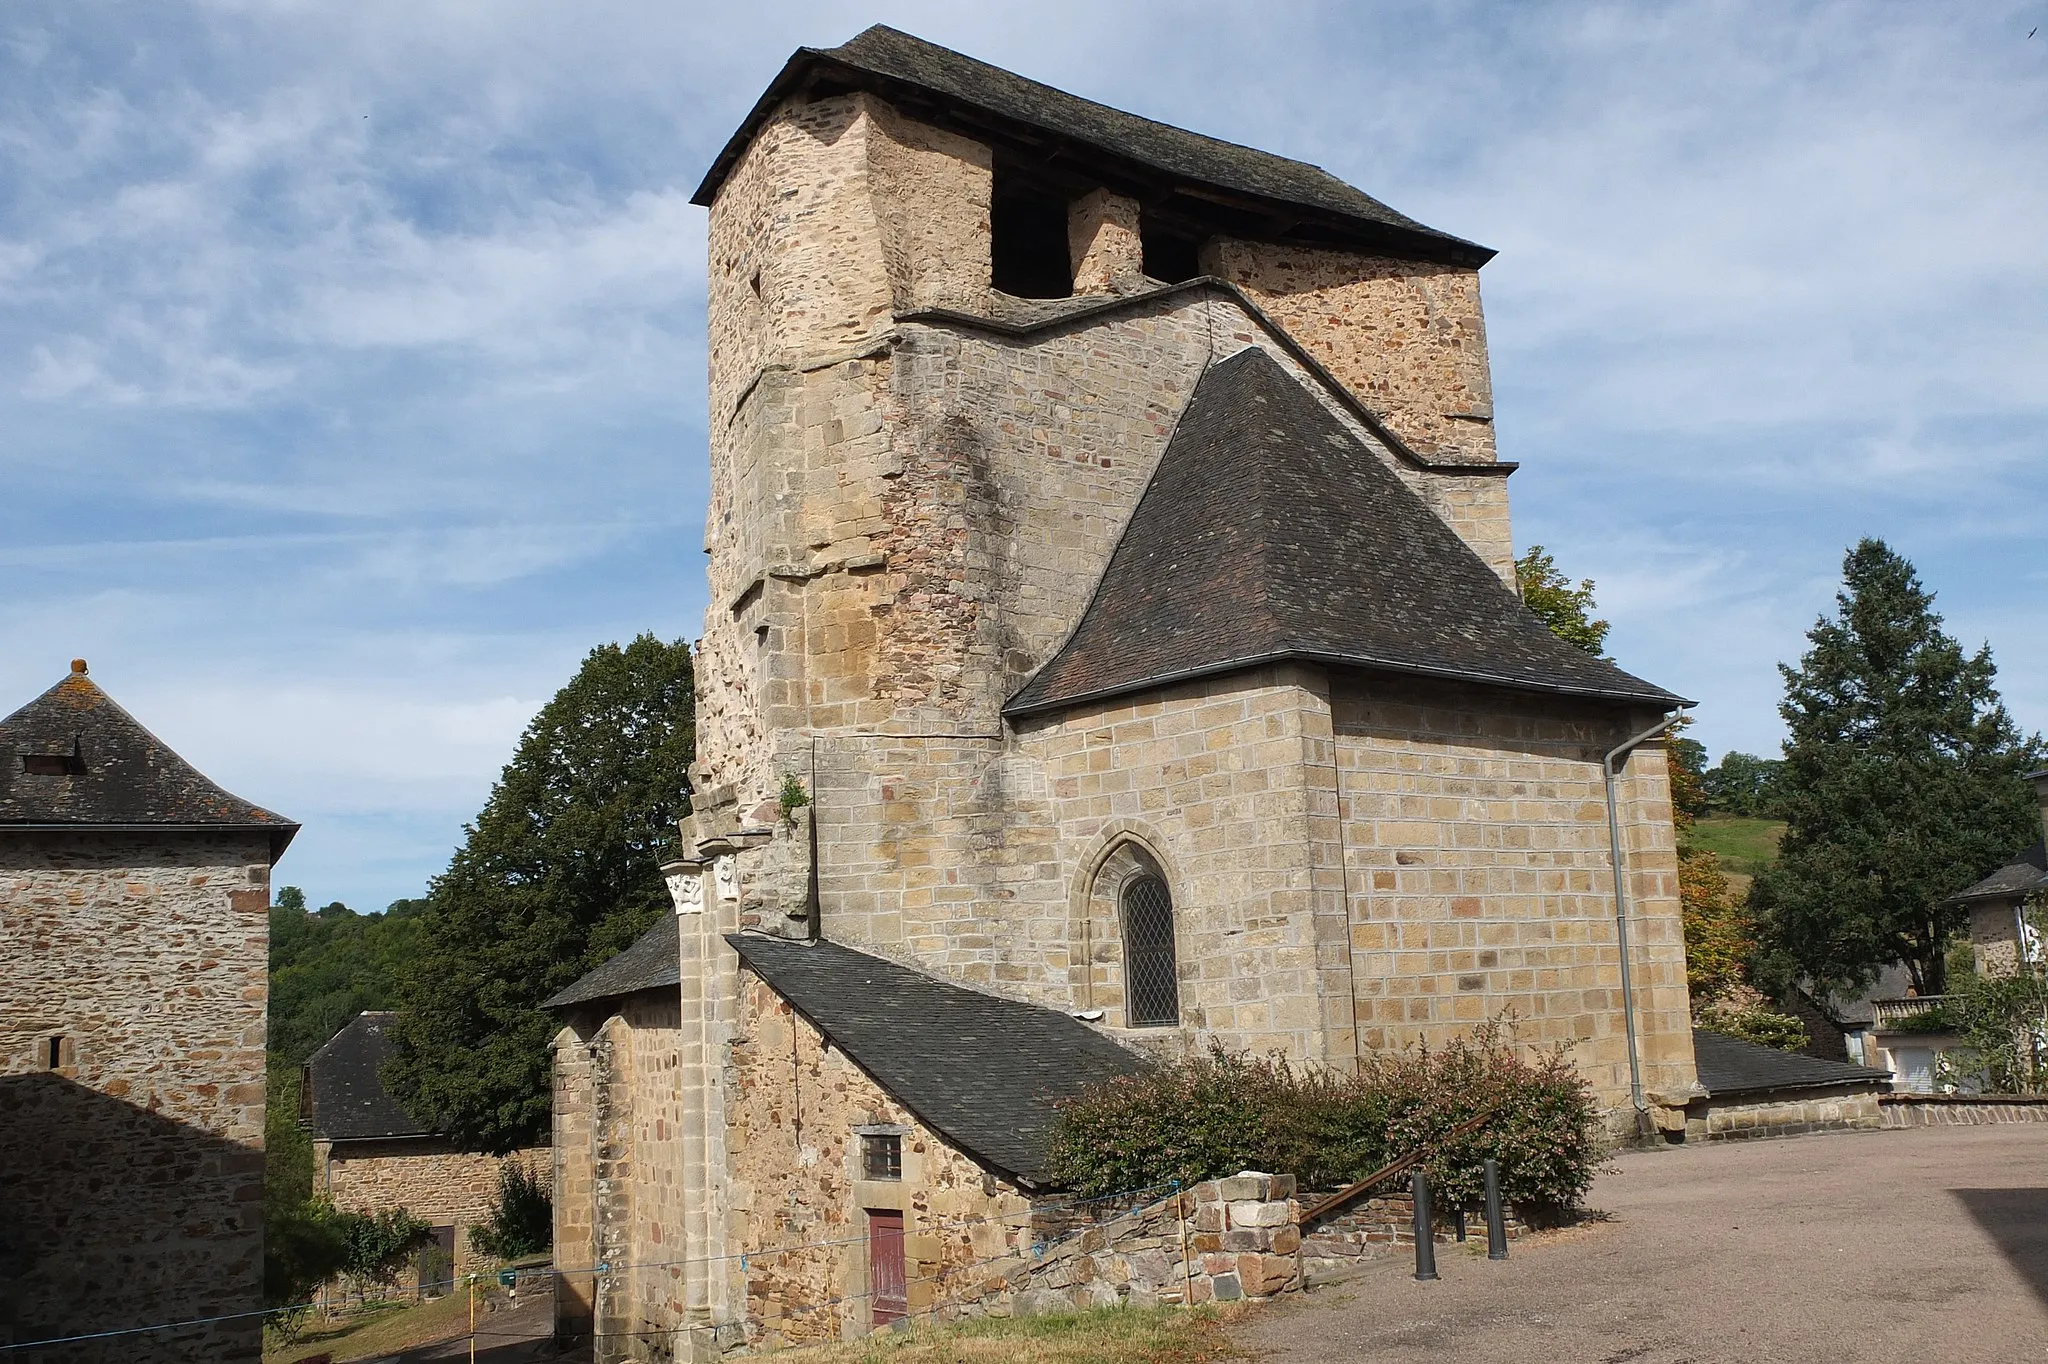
(50, 764)
(881, 1156)
(63, 1053)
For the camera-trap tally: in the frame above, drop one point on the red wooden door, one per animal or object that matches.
(887, 1278)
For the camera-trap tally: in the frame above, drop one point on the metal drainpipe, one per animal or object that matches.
(1628, 991)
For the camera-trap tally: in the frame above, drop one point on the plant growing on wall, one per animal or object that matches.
(792, 798)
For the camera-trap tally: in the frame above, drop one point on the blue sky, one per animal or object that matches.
(352, 366)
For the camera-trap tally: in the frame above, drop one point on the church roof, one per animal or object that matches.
(347, 1099)
(2024, 874)
(938, 83)
(73, 758)
(1729, 1066)
(651, 962)
(1270, 532)
(981, 1071)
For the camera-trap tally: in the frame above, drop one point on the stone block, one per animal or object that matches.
(1262, 1214)
(1247, 1184)
(1226, 1287)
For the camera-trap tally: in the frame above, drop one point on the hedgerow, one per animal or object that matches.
(1222, 1112)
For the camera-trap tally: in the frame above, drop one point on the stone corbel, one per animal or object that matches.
(685, 885)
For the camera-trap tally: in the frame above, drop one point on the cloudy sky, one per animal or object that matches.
(352, 363)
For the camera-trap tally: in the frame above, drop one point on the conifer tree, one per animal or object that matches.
(1901, 786)
(560, 870)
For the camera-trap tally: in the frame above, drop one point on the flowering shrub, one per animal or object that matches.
(1217, 1114)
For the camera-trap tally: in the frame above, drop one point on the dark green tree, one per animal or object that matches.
(1901, 786)
(1566, 609)
(561, 869)
(329, 966)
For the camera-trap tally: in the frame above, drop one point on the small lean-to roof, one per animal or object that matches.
(1062, 126)
(1729, 1066)
(108, 771)
(981, 1071)
(349, 1101)
(1270, 532)
(651, 962)
(2022, 876)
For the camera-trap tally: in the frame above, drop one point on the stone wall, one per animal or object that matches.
(1788, 1114)
(427, 1177)
(1958, 1110)
(1475, 846)
(798, 1199)
(1373, 1228)
(131, 1176)
(1406, 336)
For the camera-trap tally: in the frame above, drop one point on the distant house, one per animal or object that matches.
(134, 930)
(1755, 1091)
(371, 1156)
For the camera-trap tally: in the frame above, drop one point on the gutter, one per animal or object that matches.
(1628, 992)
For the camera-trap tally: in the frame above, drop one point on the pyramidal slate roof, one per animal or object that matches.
(1729, 1065)
(73, 758)
(896, 64)
(981, 1071)
(650, 963)
(348, 1098)
(1270, 532)
(2024, 874)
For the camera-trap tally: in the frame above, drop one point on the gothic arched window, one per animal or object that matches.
(1151, 983)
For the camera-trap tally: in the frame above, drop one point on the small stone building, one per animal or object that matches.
(1112, 616)
(134, 929)
(2000, 930)
(371, 1156)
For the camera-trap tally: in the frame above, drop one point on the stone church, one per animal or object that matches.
(1113, 650)
(134, 932)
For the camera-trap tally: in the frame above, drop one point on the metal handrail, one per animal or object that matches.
(1389, 1170)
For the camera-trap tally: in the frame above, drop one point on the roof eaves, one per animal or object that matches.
(1013, 710)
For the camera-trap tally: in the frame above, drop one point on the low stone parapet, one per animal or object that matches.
(1372, 1228)
(1782, 1114)
(1222, 1241)
(1898, 1111)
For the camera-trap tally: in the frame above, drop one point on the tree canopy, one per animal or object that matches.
(561, 869)
(329, 965)
(1901, 786)
(1566, 609)
(1744, 784)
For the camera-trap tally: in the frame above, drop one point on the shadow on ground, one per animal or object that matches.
(2017, 1221)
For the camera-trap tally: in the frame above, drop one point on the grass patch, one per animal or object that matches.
(1744, 846)
(375, 1331)
(1110, 1335)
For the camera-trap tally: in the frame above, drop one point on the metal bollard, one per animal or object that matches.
(1425, 1229)
(1458, 1224)
(1496, 1225)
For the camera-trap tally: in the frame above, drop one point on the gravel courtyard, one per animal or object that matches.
(1929, 1244)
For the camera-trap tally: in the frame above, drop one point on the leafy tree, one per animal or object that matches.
(1744, 784)
(2002, 1020)
(1901, 786)
(1566, 609)
(560, 870)
(524, 1220)
(329, 966)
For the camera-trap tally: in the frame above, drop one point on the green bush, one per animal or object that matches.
(1217, 1114)
(523, 1223)
(2003, 1025)
(1752, 1022)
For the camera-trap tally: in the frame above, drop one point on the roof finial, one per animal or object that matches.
(78, 666)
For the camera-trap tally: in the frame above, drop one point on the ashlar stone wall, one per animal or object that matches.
(131, 1175)
(1475, 846)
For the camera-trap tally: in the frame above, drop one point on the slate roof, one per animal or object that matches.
(116, 773)
(650, 963)
(1270, 532)
(895, 64)
(981, 1071)
(349, 1101)
(2028, 872)
(1730, 1066)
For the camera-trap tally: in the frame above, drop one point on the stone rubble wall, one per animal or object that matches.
(1373, 1228)
(1222, 1241)
(131, 1179)
(1897, 1111)
(427, 1177)
(1784, 1115)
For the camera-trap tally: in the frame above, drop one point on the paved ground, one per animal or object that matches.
(1926, 1245)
